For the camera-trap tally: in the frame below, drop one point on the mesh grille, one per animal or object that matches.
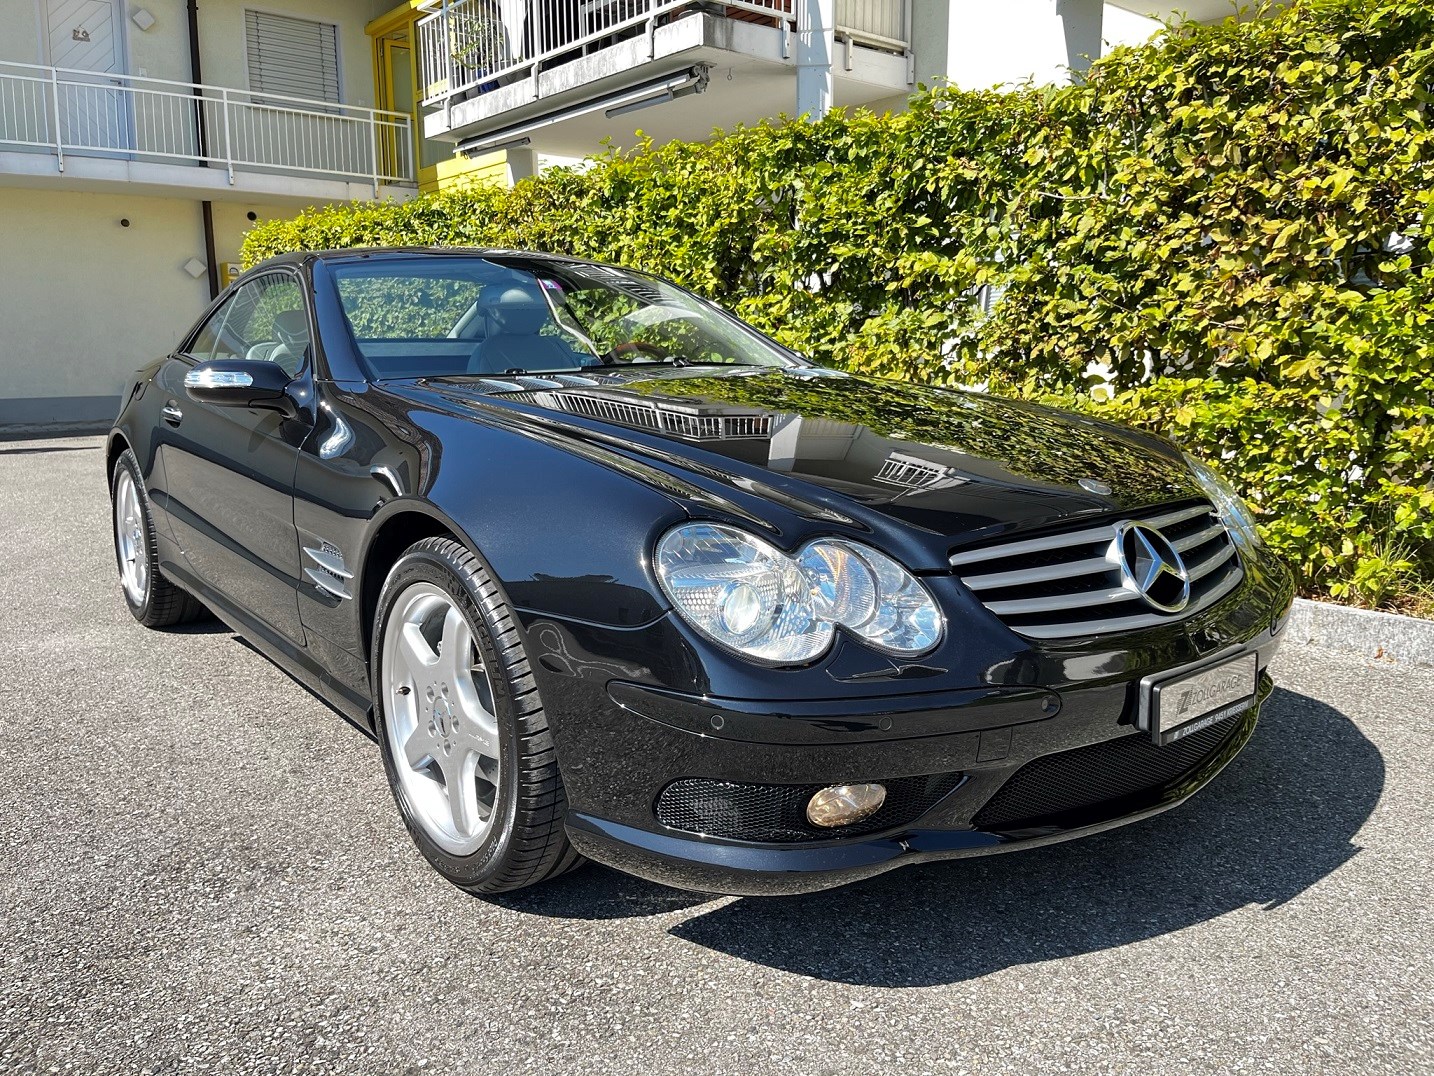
(777, 813)
(1068, 585)
(1096, 774)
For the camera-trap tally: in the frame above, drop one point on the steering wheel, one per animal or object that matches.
(639, 347)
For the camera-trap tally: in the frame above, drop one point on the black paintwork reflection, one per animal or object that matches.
(952, 462)
(230, 476)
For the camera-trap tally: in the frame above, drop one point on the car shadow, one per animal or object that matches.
(1284, 815)
(208, 624)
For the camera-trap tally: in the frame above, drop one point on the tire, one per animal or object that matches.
(154, 600)
(489, 750)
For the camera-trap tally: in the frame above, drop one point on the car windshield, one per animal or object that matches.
(491, 317)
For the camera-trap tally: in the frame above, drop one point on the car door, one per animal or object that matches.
(230, 470)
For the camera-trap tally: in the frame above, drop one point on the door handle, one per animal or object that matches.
(173, 415)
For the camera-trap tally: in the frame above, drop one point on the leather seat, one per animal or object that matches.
(517, 315)
(291, 341)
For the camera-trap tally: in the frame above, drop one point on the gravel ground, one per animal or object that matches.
(201, 871)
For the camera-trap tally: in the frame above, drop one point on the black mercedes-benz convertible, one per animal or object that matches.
(607, 573)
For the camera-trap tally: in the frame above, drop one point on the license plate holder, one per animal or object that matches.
(1190, 699)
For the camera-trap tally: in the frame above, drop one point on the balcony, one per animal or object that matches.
(561, 75)
(93, 130)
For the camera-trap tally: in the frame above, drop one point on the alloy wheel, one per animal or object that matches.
(131, 542)
(440, 720)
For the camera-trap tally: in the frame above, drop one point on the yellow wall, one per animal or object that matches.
(460, 171)
(85, 301)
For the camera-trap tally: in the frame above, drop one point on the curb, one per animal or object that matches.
(1406, 640)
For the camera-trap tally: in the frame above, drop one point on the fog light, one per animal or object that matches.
(841, 805)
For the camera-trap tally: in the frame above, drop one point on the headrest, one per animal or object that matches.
(516, 309)
(291, 328)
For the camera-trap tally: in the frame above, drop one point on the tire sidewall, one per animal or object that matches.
(436, 567)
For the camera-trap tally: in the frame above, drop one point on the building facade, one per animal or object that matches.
(140, 139)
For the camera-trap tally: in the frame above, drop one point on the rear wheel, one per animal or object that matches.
(153, 600)
(465, 740)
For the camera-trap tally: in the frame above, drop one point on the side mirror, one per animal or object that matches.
(240, 383)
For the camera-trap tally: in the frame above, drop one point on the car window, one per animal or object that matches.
(508, 315)
(265, 319)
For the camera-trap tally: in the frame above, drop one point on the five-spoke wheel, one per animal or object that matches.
(441, 723)
(131, 542)
(466, 743)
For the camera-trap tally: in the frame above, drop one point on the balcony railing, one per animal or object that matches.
(84, 113)
(478, 45)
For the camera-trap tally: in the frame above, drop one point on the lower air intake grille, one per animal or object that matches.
(1098, 773)
(1069, 585)
(778, 813)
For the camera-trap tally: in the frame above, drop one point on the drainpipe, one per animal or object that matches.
(211, 258)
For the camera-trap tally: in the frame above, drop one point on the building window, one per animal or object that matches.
(292, 57)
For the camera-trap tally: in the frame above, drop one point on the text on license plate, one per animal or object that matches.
(1179, 705)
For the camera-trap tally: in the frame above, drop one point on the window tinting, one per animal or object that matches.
(436, 316)
(265, 319)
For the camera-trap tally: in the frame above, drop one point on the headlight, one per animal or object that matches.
(1229, 505)
(783, 609)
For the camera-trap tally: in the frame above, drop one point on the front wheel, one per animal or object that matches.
(465, 740)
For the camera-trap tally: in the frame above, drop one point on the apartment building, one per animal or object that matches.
(139, 139)
(537, 79)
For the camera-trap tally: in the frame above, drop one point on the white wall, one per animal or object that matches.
(997, 44)
(978, 44)
(1127, 28)
(84, 300)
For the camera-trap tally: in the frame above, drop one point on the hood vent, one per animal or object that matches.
(1068, 586)
(655, 417)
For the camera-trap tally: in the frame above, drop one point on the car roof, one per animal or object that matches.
(351, 254)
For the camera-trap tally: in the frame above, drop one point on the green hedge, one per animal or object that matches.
(1232, 221)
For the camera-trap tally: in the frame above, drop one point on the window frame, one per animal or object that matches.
(224, 303)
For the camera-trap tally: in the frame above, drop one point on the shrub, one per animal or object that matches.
(1220, 236)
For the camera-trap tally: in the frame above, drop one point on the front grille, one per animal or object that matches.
(1048, 787)
(777, 813)
(1066, 586)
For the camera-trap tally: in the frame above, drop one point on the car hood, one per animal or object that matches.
(965, 465)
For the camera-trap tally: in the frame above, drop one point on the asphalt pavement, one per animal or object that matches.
(201, 870)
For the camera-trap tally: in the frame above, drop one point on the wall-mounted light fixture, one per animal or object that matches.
(141, 18)
(195, 268)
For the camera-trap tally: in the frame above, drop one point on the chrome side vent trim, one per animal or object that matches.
(329, 572)
(1070, 585)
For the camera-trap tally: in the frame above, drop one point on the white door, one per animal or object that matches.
(86, 36)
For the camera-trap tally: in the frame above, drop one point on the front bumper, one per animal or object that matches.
(689, 861)
(1005, 754)
(1049, 751)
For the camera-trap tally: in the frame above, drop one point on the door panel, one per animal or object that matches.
(229, 471)
(230, 476)
(86, 35)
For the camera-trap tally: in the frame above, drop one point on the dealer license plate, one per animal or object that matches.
(1186, 704)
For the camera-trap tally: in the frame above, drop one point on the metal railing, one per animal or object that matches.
(85, 113)
(467, 45)
(884, 23)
